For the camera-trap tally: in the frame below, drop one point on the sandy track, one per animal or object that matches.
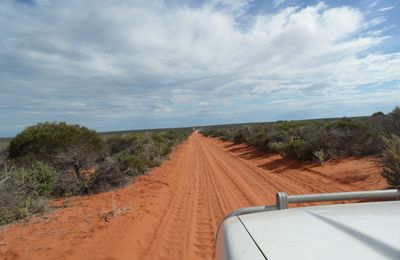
(174, 211)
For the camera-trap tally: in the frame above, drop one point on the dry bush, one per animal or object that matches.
(320, 156)
(77, 159)
(107, 177)
(67, 184)
(114, 212)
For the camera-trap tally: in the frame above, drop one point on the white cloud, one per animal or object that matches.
(236, 7)
(373, 4)
(118, 59)
(384, 9)
(278, 3)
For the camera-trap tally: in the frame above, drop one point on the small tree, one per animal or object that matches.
(391, 160)
(43, 140)
(65, 147)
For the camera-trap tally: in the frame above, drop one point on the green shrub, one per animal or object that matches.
(226, 137)
(344, 124)
(289, 125)
(79, 164)
(346, 137)
(299, 149)
(19, 206)
(119, 143)
(277, 147)
(214, 132)
(300, 139)
(391, 160)
(39, 179)
(239, 138)
(66, 147)
(124, 160)
(42, 141)
(23, 191)
(148, 151)
(134, 164)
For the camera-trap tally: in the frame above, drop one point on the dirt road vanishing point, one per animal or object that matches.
(174, 211)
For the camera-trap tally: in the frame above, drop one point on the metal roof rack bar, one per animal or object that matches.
(283, 199)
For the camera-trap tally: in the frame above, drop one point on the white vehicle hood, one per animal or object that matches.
(349, 231)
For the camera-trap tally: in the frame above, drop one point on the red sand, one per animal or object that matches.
(174, 211)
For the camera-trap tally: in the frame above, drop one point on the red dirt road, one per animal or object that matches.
(174, 211)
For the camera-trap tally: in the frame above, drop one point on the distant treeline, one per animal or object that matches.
(58, 159)
(323, 139)
(156, 130)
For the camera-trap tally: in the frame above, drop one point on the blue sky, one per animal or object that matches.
(124, 64)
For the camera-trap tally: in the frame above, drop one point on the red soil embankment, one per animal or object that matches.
(174, 211)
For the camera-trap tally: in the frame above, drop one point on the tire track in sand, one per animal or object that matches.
(225, 182)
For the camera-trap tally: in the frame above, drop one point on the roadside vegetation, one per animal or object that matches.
(391, 161)
(57, 159)
(324, 139)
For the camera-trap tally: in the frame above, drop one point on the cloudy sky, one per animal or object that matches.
(126, 64)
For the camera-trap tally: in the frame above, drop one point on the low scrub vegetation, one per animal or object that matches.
(137, 153)
(58, 159)
(391, 160)
(23, 191)
(324, 139)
